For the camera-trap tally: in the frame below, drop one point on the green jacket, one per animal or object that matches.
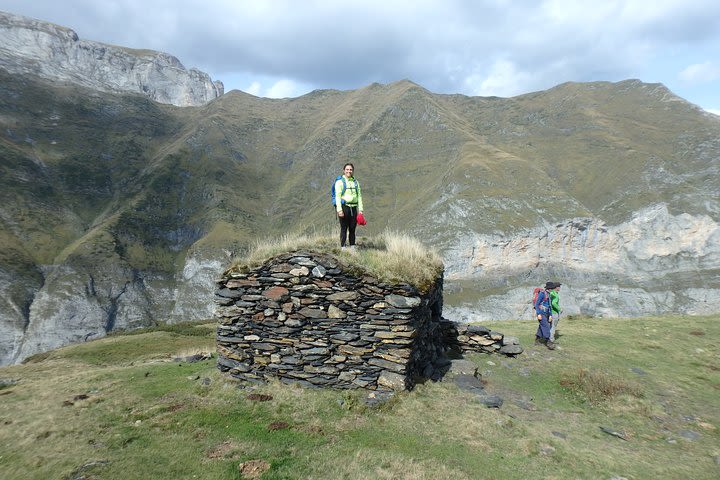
(555, 301)
(352, 194)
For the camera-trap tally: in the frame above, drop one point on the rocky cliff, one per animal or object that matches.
(78, 302)
(29, 46)
(655, 263)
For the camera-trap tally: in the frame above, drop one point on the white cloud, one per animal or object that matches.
(701, 73)
(283, 89)
(254, 89)
(503, 80)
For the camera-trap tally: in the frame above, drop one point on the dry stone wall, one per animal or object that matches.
(305, 317)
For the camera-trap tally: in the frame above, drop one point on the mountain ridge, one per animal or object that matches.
(119, 212)
(31, 46)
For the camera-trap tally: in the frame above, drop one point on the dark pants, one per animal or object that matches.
(348, 222)
(543, 330)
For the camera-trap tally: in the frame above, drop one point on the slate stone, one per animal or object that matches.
(491, 401)
(300, 272)
(402, 302)
(478, 329)
(228, 293)
(345, 336)
(313, 313)
(315, 351)
(469, 383)
(511, 349)
(388, 365)
(244, 304)
(319, 271)
(276, 293)
(391, 380)
(302, 261)
(242, 283)
(233, 364)
(378, 397)
(252, 298)
(291, 360)
(463, 367)
(689, 435)
(335, 312)
(343, 296)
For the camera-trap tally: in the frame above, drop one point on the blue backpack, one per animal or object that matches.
(332, 189)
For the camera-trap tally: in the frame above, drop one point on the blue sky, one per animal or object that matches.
(286, 48)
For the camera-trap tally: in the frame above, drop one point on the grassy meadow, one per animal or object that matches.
(621, 398)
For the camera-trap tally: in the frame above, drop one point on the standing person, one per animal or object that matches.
(348, 202)
(555, 307)
(543, 309)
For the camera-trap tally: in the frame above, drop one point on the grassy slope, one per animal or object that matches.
(160, 180)
(146, 416)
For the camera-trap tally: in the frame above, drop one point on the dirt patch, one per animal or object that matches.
(278, 426)
(314, 429)
(253, 469)
(697, 333)
(259, 397)
(222, 450)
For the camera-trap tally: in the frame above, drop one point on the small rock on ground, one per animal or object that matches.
(689, 435)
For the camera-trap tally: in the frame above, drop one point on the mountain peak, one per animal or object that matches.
(36, 47)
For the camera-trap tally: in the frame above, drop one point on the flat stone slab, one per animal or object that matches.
(469, 383)
(463, 367)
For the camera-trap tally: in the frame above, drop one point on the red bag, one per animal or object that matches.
(361, 219)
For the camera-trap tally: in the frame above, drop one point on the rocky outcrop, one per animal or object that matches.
(646, 266)
(29, 46)
(75, 304)
(305, 318)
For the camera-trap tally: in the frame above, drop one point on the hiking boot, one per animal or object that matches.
(540, 341)
(550, 345)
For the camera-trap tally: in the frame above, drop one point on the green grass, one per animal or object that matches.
(120, 408)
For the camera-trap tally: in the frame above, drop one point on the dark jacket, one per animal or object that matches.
(542, 304)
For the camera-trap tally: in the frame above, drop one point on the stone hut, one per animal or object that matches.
(306, 317)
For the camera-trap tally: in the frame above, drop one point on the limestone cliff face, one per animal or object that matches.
(29, 46)
(657, 263)
(76, 304)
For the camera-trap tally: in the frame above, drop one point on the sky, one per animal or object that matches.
(287, 48)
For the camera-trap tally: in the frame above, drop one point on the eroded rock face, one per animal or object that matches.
(29, 46)
(75, 304)
(657, 263)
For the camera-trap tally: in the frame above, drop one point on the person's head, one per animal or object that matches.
(348, 170)
(552, 286)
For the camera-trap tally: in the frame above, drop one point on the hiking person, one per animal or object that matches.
(543, 310)
(555, 307)
(348, 203)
